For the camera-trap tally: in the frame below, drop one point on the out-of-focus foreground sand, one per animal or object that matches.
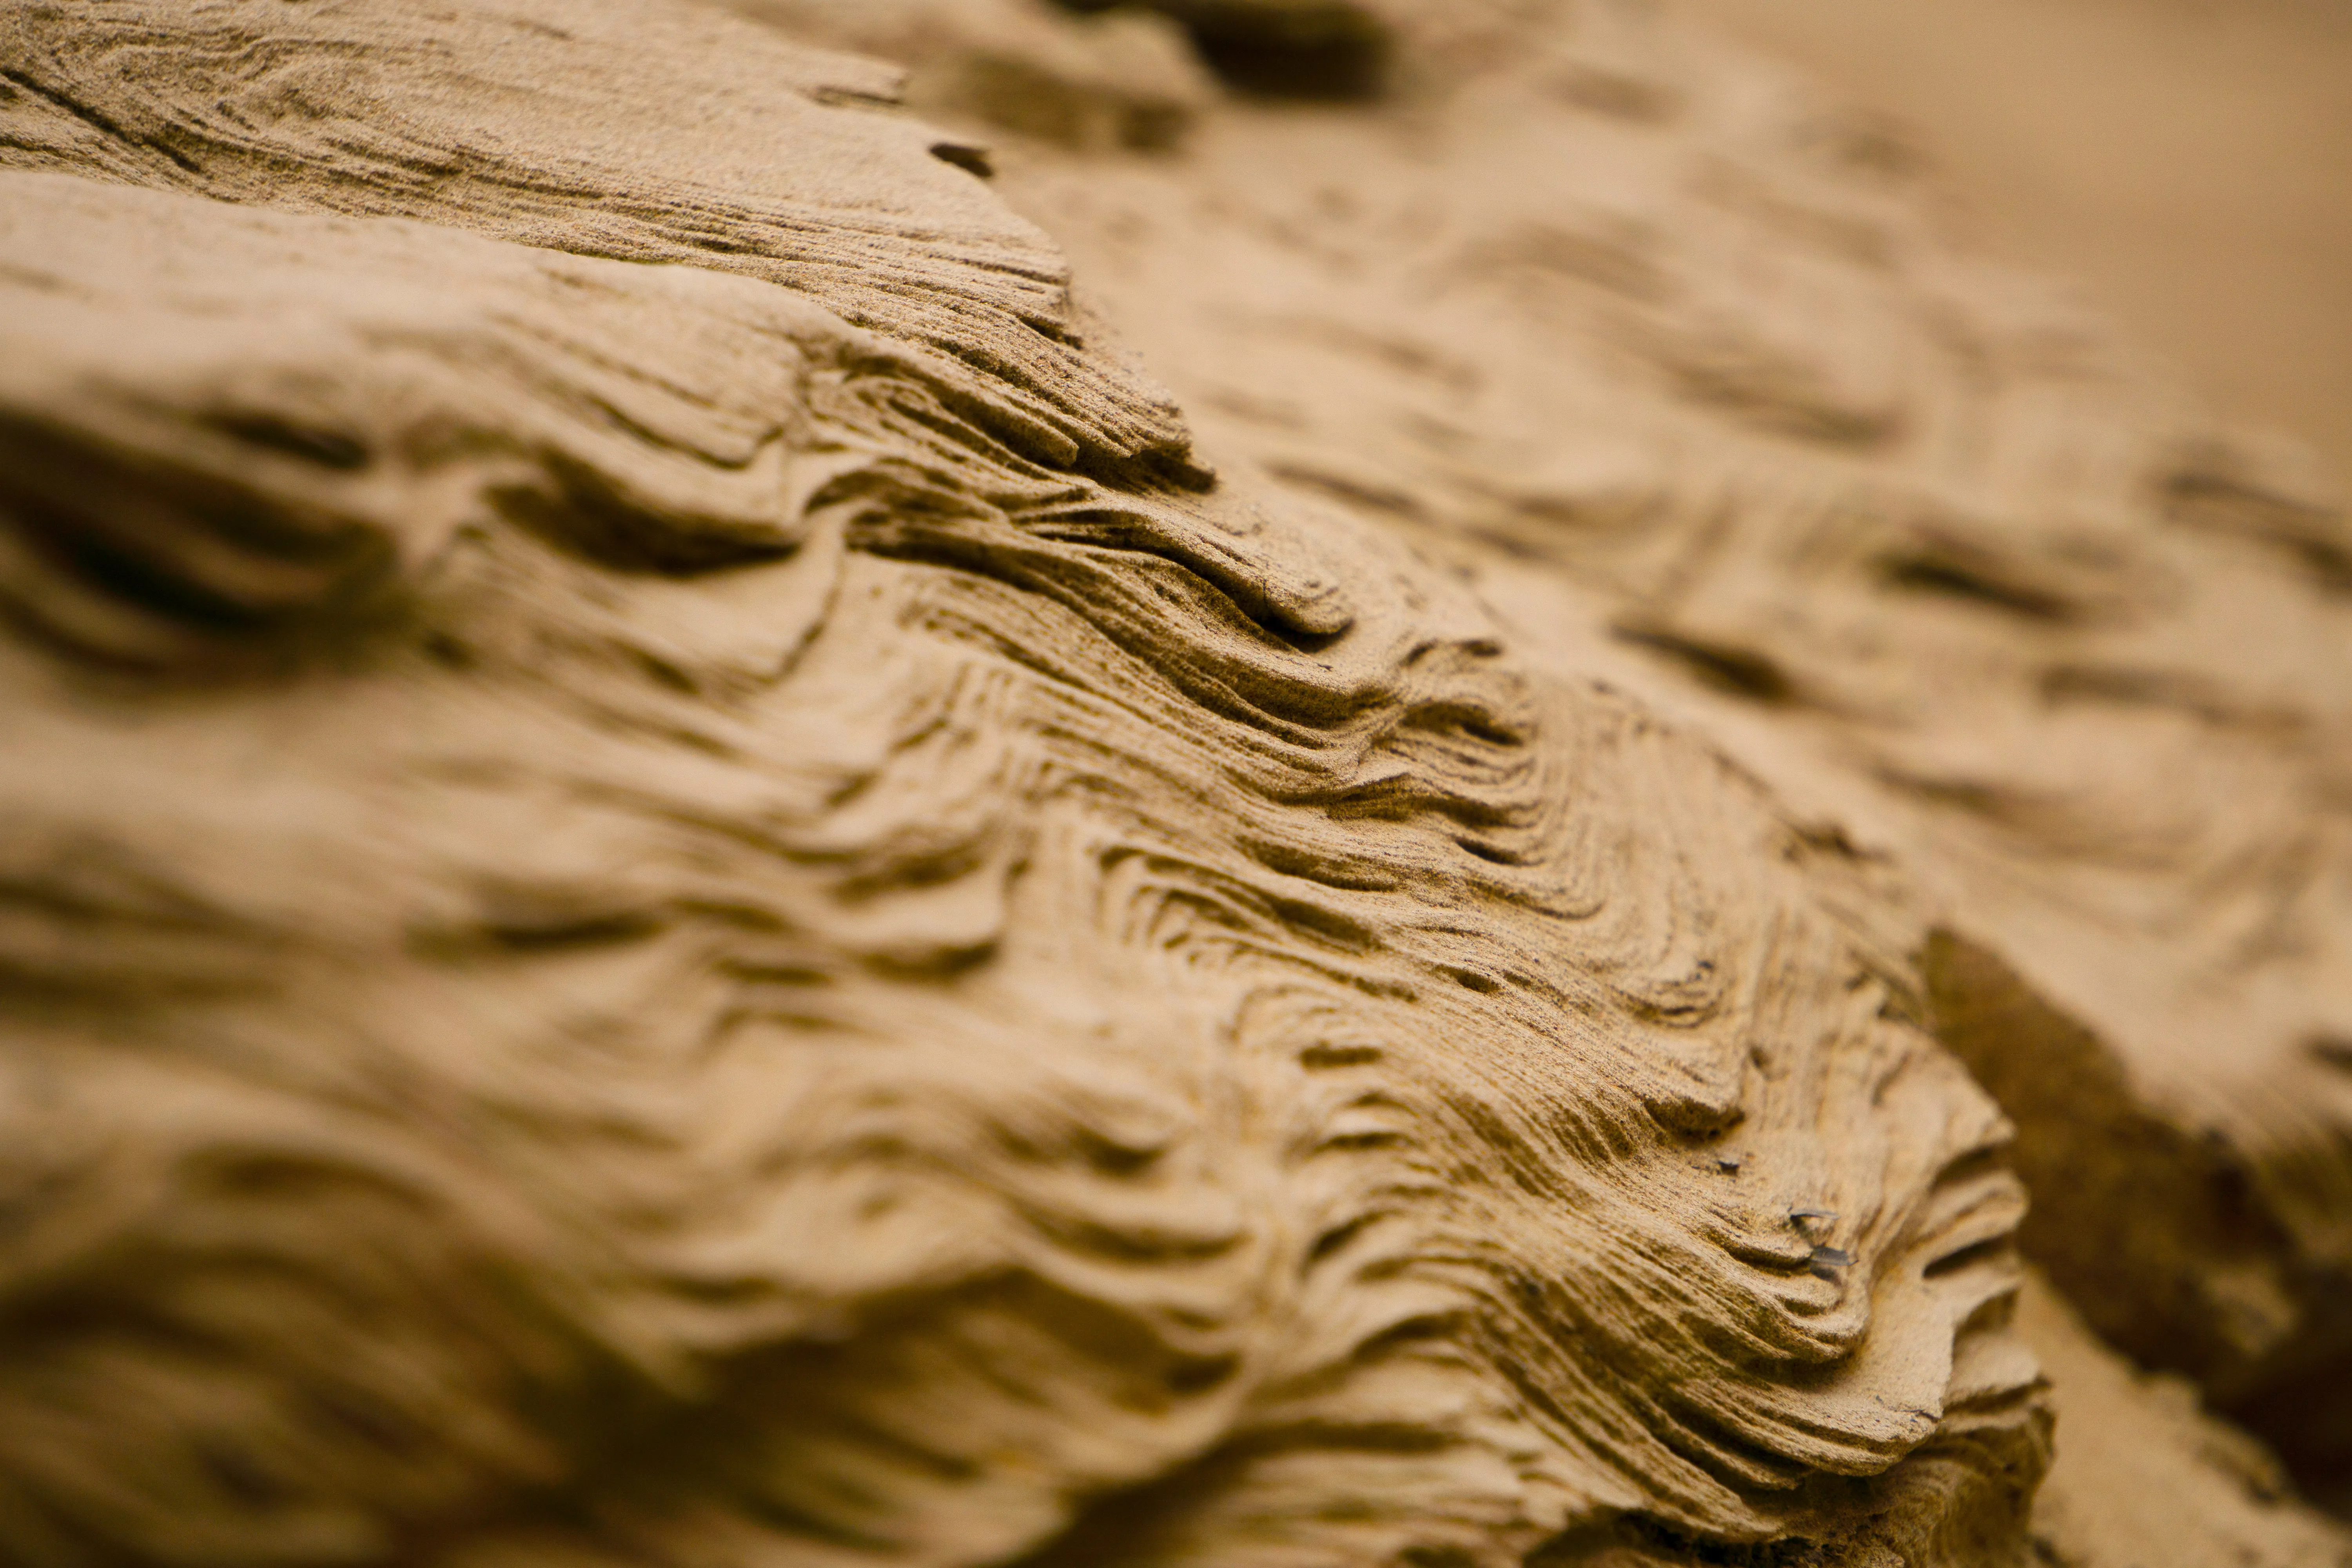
(2188, 163)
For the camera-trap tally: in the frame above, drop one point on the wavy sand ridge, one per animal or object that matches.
(643, 922)
(1616, 317)
(636, 130)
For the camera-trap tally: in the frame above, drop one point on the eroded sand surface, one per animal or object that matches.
(1135, 825)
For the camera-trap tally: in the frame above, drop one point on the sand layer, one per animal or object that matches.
(685, 878)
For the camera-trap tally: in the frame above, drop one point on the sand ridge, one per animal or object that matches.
(687, 883)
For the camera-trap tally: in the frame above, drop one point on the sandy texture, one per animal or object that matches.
(679, 885)
(640, 131)
(730, 914)
(2143, 1477)
(1127, 80)
(1630, 321)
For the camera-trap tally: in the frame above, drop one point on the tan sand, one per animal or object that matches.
(687, 878)
(2188, 163)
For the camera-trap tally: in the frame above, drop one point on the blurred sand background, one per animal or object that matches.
(2188, 163)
